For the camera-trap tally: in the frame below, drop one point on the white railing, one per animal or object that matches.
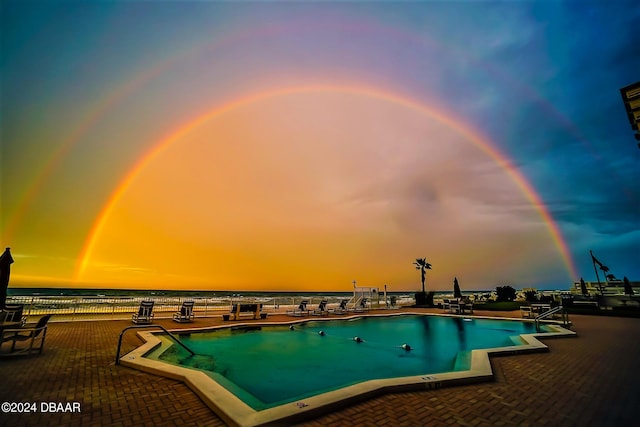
(81, 308)
(117, 308)
(552, 312)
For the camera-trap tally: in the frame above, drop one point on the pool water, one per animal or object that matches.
(273, 365)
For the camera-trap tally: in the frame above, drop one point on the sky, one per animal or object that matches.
(298, 146)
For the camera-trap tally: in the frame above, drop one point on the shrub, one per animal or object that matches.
(505, 293)
(531, 296)
(424, 298)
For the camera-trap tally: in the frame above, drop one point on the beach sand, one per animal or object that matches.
(588, 380)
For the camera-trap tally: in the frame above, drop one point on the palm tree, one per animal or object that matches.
(422, 265)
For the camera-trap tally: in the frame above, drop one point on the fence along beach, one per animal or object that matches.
(112, 304)
(70, 304)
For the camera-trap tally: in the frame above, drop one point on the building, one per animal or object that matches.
(613, 287)
(631, 99)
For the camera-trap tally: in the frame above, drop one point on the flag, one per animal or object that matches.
(594, 259)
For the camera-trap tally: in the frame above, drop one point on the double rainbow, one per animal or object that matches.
(472, 136)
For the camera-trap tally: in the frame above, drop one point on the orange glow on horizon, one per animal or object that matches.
(237, 199)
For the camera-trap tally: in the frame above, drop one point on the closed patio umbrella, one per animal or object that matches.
(583, 287)
(628, 290)
(5, 270)
(456, 288)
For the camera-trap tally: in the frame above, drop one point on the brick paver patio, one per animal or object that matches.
(590, 380)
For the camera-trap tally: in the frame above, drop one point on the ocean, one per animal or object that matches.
(141, 293)
(137, 293)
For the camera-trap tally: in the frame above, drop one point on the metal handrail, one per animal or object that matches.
(173, 337)
(565, 317)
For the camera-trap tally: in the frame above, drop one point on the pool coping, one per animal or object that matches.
(235, 412)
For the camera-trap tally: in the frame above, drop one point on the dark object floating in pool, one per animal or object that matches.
(291, 328)
(321, 333)
(357, 339)
(406, 347)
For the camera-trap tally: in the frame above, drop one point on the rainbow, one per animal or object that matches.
(447, 119)
(93, 115)
(100, 109)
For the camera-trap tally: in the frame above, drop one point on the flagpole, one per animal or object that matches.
(594, 260)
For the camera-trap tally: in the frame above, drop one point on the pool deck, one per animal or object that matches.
(592, 379)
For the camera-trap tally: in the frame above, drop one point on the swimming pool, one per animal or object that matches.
(286, 369)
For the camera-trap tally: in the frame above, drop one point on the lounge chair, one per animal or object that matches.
(144, 314)
(185, 314)
(322, 309)
(30, 336)
(466, 306)
(13, 313)
(393, 301)
(454, 306)
(342, 308)
(302, 309)
(361, 306)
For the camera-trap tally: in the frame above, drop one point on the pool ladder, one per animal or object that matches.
(173, 337)
(565, 316)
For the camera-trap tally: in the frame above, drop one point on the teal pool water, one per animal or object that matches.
(271, 365)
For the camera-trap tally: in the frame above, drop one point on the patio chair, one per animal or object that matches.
(30, 336)
(342, 308)
(526, 311)
(144, 314)
(13, 313)
(185, 314)
(302, 309)
(454, 306)
(322, 309)
(393, 301)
